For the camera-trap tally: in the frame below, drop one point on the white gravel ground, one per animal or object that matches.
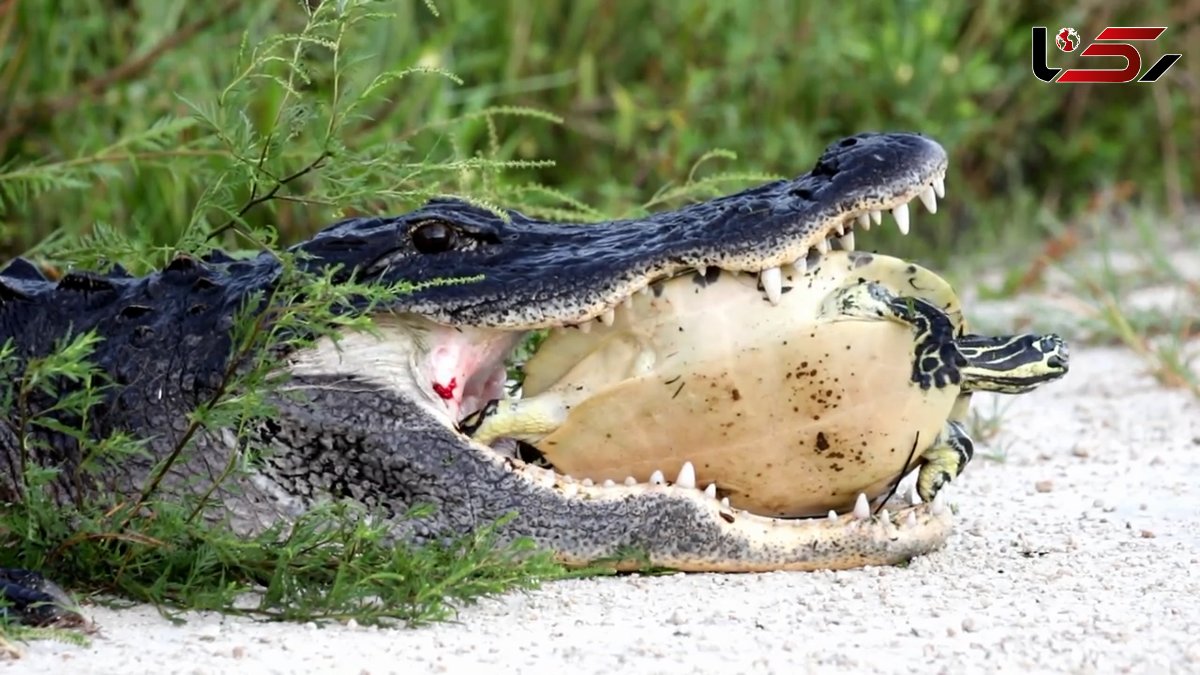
(1078, 552)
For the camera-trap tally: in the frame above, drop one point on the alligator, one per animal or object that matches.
(374, 417)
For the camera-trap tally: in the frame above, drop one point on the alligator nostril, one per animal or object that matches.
(802, 193)
(848, 142)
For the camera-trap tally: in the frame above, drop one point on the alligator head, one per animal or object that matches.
(443, 352)
(376, 416)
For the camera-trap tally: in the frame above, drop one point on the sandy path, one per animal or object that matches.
(1079, 552)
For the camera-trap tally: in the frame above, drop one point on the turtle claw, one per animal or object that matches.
(944, 460)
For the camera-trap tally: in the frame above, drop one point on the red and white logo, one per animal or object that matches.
(1067, 39)
(1112, 42)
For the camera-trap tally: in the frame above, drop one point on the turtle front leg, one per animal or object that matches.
(944, 460)
(527, 419)
(937, 360)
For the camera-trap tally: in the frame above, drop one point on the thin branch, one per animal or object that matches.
(21, 117)
(256, 199)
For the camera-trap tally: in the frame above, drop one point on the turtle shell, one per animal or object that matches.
(791, 410)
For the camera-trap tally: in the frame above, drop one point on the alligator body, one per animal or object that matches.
(376, 418)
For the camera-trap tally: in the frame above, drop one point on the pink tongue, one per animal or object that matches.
(449, 365)
(466, 367)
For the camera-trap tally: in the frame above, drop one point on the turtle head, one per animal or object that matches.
(1012, 364)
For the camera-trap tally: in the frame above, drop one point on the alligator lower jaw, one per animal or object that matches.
(725, 539)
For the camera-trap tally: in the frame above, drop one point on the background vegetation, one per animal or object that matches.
(99, 125)
(130, 130)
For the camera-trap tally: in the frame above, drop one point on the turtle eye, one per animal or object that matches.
(433, 236)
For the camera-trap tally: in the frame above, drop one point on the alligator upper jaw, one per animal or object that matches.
(522, 273)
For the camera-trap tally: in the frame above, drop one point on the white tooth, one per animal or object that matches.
(628, 302)
(847, 241)
(939, 505)
(801, 265)
(877, 217)
(725, 503)
(630, 480)
(608, 482)
(939, 186)
(911, 520)
(864, 221)
(657, 478)
(687, 476)
(840, 229)
(548, 479)
(885, 516)
(823, 246)
(566, 478)
(772, 283)
(928, 199)
(585, 327)
(832, 516)
(862, 510)
(644, 290)
(711, 491)
(913, 497)
(570, 490)
(587, 482)
(901, 214)
(608, 317)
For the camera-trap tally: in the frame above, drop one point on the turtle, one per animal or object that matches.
(862, 371)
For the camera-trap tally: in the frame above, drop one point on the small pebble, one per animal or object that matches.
(1147, 534)
(1043, 485)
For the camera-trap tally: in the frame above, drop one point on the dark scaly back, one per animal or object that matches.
(164, 340)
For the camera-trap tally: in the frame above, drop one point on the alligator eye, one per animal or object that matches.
(433, 236)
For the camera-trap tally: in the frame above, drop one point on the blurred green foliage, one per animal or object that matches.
(98, 105)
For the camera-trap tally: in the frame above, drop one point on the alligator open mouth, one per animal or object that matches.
(458, 365)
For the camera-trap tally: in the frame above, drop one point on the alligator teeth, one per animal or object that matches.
(608, 317)
(822, 246)
(772, 283)
(711, 491)
(656, 478)
(939, 186)
(587, 482)
(608, 482)
(832, 516)
(928, 199)
(862, 510)
(913, 497)
(644, 290)
(885, 516)
(570, 490)
(840, 229)
(876, 217)
(630, 481)
(725, 503)
(911, 520)
(801, 265)
(847, 241)
(939, 505)
(864, 221)
(585, 327)
(901, 214)
(687, 476)
(628, 302)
